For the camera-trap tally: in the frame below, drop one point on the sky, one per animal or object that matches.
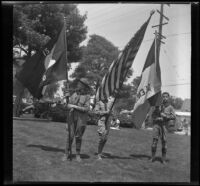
(119, 22)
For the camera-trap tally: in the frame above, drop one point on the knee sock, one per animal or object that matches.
(78, 145)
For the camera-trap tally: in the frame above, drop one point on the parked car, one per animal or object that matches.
(26, 108)
(126, 120)
(42, 109)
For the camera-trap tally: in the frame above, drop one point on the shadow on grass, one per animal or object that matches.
(143, 156)
(106, 155)
(140, 156)
(54, 149)
(160, 159)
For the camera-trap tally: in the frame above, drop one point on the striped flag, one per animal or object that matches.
(149, 90)
(45, 66)
(117, 72)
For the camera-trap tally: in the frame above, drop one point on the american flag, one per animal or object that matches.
(117, 72)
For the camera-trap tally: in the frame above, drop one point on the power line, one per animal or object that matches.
(108, 21)
(170, 35)
(170, 62)
(105, 14)
(176, 84)
(124, 15)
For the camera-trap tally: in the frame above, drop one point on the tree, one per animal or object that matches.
(51, 89)
(124, 104)
(125, 99)
(176, 102)
(135, 84)
(98, 56)
(127, 95)
(35, 24)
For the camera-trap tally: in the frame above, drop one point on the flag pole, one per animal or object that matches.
(155, 46)
(67, 96)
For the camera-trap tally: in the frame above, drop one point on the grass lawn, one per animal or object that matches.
(38, 148)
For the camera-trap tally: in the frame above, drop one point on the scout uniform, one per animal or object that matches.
(162, 116)
(102, 108)
(78, 119)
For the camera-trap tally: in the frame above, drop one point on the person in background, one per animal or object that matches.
(115, 123)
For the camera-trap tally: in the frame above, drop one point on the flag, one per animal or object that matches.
(117, 72)
(45, 66)
(149, 90)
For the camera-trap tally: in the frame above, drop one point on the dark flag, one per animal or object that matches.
(149, 90)
(114, 79)
(45, 67)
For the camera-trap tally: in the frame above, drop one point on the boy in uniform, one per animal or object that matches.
(102, 109)
(162, 116)
(79, 106)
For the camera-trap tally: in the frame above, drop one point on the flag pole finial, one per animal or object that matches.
(152, 12)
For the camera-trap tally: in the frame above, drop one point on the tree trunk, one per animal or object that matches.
(29, 51)
(18, 100)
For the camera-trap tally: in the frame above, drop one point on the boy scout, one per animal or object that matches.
(79, 105)
(102, 108)
(162, 116)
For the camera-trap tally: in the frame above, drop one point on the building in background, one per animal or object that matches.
(183, 122)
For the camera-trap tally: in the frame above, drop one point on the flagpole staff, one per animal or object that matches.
(155, 46)
(67, 96)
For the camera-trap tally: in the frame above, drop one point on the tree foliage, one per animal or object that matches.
(51, 89)
(125, 99)
(135, 84)
(35, 24)
(176, 102)
(98, 56)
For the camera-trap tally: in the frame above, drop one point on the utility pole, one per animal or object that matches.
(159, 37)
(158, 34)
(160, 29)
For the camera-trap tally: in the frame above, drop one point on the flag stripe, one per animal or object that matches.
(112, 78)
(109, 79)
